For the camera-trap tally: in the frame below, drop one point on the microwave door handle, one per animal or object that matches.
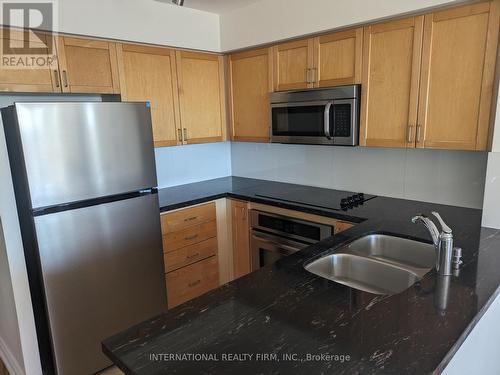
(328, 108)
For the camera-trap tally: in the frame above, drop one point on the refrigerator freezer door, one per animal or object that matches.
(79, 151)
(103, 272)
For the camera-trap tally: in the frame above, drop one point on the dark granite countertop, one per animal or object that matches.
(284, 310)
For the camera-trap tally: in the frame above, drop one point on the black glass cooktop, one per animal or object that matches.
(323, 198)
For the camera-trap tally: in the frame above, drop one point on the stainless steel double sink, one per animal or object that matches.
(377, 263)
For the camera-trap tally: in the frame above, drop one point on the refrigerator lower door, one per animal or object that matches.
(103, 272)
(79, 151)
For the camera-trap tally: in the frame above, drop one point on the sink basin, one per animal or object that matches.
(396, 250)
(377, 263)
(369, 275)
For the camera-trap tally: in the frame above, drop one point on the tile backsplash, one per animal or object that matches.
(446, 177)
(180, 165)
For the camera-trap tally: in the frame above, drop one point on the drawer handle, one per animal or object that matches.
(194, 283)
(191, 218)
(190, 237)
(193, 256)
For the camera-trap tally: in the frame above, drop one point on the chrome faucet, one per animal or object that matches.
(448, 257)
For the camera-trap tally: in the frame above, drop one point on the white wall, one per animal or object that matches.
(271, 20)
(147, 21)
(10, 341)
(479, 354)
(21, 302)
(185, 164)
(447, 177)
(491, 208)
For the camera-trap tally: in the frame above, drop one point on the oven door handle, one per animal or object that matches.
(328, 108)
(288, 250)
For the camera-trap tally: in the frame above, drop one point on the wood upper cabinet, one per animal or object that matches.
(241, 238)
(458, 65)
(327, 60)
(149, 74)
(44, 79)
(250, 81)
(292, 65)
(201, 96)
(391, 73)
(88, 66)
(338, 58)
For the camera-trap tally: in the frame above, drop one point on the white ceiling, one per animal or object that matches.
(216, 6)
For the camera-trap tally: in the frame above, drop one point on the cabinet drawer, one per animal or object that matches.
(175, 221)
(190, 254)
(192, 281)
(189, 236)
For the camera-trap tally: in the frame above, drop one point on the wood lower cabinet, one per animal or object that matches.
(190, 254)
(149, 74)
(88, 66)
(338, 58)
(341, 226)
(458, 63)
(201, 96)
(181, 219)
(190, 250)
(241, 238)
(391, 73)
(191, 235)
(192, 281)
(44, 79)
(251, 82)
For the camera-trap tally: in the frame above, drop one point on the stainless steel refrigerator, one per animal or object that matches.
(84, 178)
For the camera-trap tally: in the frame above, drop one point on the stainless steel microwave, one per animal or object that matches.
(321, 116)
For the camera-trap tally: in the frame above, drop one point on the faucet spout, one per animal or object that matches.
(429, 224)
(447, 257)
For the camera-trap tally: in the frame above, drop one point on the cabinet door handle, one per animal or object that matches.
(65, 78)
(194, 283)
(314, 78)
(185, 132)
(419, 130)
(308, 75)
(56, 77)
(409, 137)
(179, 135)
(192, 256)
(191, 218)
(191, 237)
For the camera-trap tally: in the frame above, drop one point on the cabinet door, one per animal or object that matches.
(391, 70)
(201, 96)
(337, 58)
(148, 74)
(457, 77)
(88, 66)
(241, 239)
(28, 80)
(250, 87)
(293, 63)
